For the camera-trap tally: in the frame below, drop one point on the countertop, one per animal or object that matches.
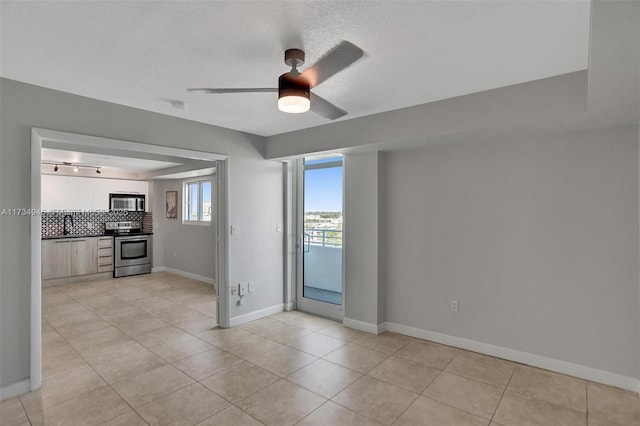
(59, 237)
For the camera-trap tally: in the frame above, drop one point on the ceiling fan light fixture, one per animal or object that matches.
(294, 104)
(293, 94)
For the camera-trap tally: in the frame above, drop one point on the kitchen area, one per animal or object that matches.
(126, 274)
(94, 228)
(111, 209)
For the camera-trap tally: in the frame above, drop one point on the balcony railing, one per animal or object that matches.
(323, 237)
(323, 264)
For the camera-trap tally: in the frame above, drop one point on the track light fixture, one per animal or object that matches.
(75, 167)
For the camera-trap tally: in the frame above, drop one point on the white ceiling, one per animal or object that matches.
(144, 54)
(105, 162)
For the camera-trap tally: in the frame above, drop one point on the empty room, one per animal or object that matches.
(320, 213)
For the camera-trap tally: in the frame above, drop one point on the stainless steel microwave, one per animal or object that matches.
(128, 202)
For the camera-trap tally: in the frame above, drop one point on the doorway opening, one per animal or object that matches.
(187, 163)
(320, 230)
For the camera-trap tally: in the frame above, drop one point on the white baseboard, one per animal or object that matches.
(364, 326)
(568, 368)
(252, 316)
(184, 274)
(15, 389)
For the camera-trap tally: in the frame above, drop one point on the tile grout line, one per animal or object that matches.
(367, 374)
(426, 387)
(357, 412)
(234, 404)
(24, 410)
(312, 411)
(503, 393)
(436, 378)
(586, 385)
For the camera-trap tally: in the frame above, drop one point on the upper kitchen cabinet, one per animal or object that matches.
(66, 193)
(80, 193)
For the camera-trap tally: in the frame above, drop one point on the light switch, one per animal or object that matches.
(234, 229)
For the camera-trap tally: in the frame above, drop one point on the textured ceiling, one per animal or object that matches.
(144, 54)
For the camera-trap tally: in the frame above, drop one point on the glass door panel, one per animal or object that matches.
(320, 291)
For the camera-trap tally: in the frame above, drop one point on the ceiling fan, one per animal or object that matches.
(294, 88)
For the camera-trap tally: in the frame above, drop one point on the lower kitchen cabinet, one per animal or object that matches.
(69, 257)
(56, 259)
(84, 256)
(105, 254)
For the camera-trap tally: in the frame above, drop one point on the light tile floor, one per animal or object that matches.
(145, 350)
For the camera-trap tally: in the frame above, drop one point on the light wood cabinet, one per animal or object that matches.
(84, 256)
(105, 254)
(69, 257)
(56, 259)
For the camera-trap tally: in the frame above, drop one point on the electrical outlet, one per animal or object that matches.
(252, 286)
(454, 306)
(278, 227)
(234, 229)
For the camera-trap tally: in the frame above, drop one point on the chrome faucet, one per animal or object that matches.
(65, 230)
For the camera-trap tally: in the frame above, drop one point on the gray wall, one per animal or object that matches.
(537, 240)
(255, 196)
(361, 238)
(187, 248)
(257, 249)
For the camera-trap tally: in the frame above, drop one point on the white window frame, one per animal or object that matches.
(185, 202)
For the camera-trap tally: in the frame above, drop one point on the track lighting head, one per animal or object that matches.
(55, 169)
(76, 169)
(98, 170)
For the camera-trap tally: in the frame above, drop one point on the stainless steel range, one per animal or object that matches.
(133, 248)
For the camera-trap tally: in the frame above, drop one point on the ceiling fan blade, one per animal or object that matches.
(325, 108)
(206, 90)
(334, 61)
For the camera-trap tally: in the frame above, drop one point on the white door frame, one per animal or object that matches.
(40, 137)
(223, 296)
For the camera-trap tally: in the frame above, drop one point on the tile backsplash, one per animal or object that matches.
(89, 223)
